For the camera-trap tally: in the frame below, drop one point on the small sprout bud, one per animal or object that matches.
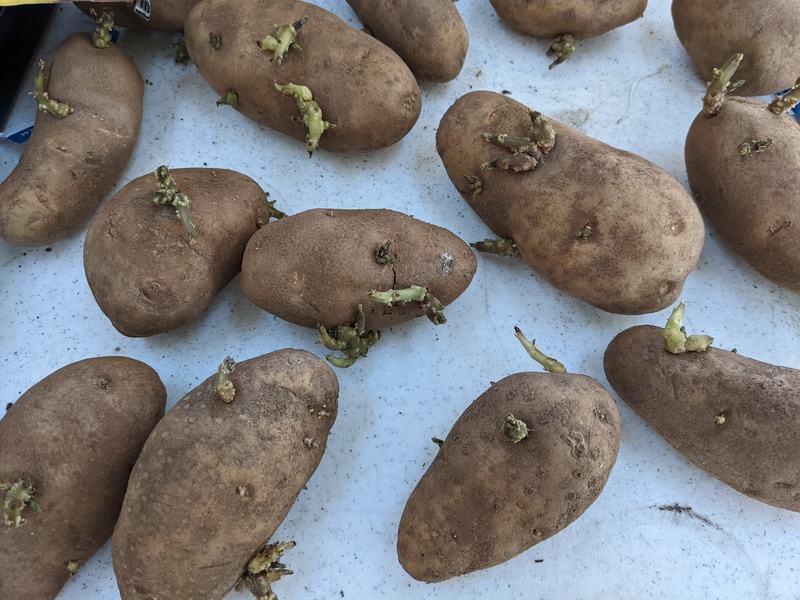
(310, 111)
(542, 132)
(382, 254)
(437, 441)
(72, 567)
(101, 37)
(167, 193)
(434, 309)
(549, 364)
(475, 184)
(786, 102)
(263, 570)
(44, 101)
(498, 246)
(353, 340)
(515, 429)
(229, 99)
(754, 146)
(562, 48)
(675, 339)
(215, 40)
(720, 85)
(309, 442)
(274, 213)
(181, 53)
(583, 233)
(280, 45)
(223, 386)
(18, 496)
(719, 419)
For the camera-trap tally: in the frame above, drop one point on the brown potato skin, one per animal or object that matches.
(766, 32)
(75, 435)
(485, 499)
(363, 87)
(143, 272)
(70, 164)
(429, 35)
(756, 450)
(319, 265)
(752, 201)
(165, 15)
(581, 18)
(647, 232)
(185, 530)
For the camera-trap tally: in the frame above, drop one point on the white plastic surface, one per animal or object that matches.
(634, 88)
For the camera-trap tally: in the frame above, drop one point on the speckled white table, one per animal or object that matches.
(633, 88)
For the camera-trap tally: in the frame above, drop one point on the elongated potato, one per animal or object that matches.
(603, 225)
(70, 163)
(486, 499)
(362, 88)
(145, 272)
(215, 479)
(67, 447)
(743, 165)
(765, 32)
(580, 18)
(318, 266)
(429, 35)
(734, 417)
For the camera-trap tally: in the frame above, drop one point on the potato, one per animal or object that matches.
(734, 417)
(485, 499)
(342, 90)
(567, 20)
(743, 164)
(601, 224)
(147, 273)
(70, 442)
(429, 35)
(318, 266)
(215, 479)
(764, 31)
(70, 163)
(165, 15)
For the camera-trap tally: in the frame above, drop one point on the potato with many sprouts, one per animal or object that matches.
(349, 273)
(90, 112)
(429, 35)
(67, 447)
(521, 463)
(734, 417)
(603, 225)
(219, 474)
(743, 164)
(165, 244)
(304, 72)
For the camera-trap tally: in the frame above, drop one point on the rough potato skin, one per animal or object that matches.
(145, 275)
(581, 18)
(429, 35)
(752, 201)
(485, 499)
(766, 32)
(70, 164)
(165, 15)
(319, 265)
(75, 436)
(755, 450)
(362, 87)
(215, 480)
(646, 231)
